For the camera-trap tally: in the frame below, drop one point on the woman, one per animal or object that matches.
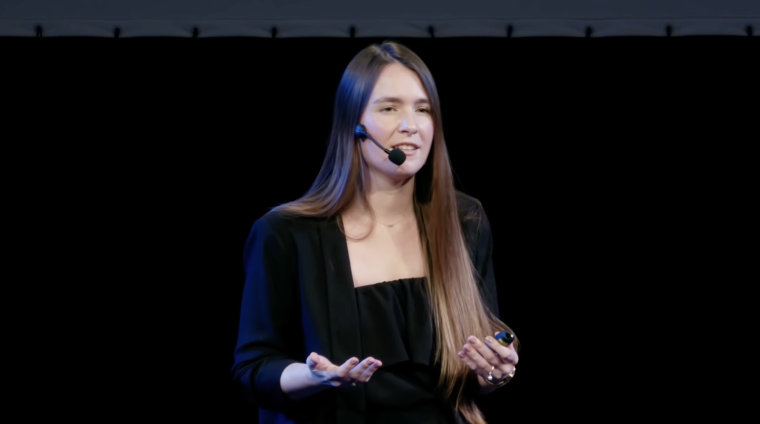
(380, 276)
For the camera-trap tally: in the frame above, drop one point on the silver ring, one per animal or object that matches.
(490, 377)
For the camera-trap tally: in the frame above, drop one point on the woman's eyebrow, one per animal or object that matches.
(397, 100)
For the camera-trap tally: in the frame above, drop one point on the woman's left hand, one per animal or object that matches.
(481, 356)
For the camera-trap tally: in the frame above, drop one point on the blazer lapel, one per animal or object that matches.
(345, 335)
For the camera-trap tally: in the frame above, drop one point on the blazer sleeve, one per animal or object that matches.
(480, 241)
(269, 317)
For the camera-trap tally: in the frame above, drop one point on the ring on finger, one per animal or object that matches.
(490, 376)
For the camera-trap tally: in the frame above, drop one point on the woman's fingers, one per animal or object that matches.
(485, 351)
(491, 356)
(354, 371)
(507, 353)
(368, 371)
(477, 358)
(360, 369)
(344, 370)
(314, 360)
(467, 360)
(351, 371)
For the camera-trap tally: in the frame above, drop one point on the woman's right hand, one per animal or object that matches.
(351, 372)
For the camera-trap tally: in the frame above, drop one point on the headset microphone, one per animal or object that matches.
(396, 155)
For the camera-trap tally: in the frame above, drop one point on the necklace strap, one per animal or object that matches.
(390, 225)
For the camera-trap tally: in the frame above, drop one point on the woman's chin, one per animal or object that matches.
(398, 173)
(402, 173)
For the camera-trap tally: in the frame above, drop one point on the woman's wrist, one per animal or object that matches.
(298, 382)
(485, 387)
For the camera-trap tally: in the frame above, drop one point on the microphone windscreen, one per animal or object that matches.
(397, 156)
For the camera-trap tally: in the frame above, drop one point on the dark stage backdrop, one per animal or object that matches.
(368, 18)
(589, 156)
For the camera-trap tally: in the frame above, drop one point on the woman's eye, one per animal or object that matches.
(390, 108)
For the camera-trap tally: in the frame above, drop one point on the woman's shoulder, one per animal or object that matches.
(469, 207)
(473, 218)
(281, 222)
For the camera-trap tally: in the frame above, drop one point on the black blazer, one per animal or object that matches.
(299, 298)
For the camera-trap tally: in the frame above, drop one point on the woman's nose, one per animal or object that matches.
(408, 125)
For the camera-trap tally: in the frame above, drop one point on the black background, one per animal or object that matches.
(146, 161)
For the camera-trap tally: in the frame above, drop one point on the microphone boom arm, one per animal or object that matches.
(396, 155)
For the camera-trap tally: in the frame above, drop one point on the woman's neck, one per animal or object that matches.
(390, 202)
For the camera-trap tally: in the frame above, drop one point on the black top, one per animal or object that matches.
(397, 328)
(299, 298)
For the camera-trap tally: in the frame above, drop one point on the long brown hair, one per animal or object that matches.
(457, 307)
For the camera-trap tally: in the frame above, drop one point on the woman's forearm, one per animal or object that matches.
(298, 382)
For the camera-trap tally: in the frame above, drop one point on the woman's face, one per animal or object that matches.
(398, 115)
